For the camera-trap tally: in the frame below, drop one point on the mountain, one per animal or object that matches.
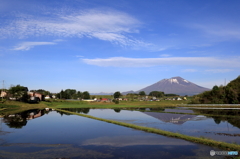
(174, 85)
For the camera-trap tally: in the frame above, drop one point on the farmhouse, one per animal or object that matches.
(3, 94)
(38, 95)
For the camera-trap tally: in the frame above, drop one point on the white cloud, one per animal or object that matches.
(220, 30)
(110, 26)
(28, 45)
(169, 61)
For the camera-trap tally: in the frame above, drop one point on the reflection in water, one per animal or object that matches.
(19, 120)
(77, 110)
(219, 128)
(50, 151)
(71, 136)
(121, 141)
(229, 115)
(179, 110)
(172, 118)
(117, 110)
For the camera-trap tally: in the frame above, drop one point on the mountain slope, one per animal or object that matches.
(174, 85)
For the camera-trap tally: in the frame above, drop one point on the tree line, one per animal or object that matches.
(20, 92)
(229, 94)
(73, 94)
(157, 94)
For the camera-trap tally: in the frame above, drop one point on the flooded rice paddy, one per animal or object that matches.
(224, 125)
(53, 134)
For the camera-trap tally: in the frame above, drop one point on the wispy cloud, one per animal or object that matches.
(220, 30)
(28, 45)
(109, 26)
(170, 61)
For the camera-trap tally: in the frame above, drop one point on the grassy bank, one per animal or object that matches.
(122, 104)
(12, 107)
(15, 106)
(209, 142)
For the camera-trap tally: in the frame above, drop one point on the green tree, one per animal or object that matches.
(142, 93)
(41, 91)
(19, 92)
(229, 94)
(70, 93)
(215, 88)
(61, 94)
(156, 94)
(85, 95)
(79, 94)
(117, 94)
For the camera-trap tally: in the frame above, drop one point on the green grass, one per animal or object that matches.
(12, 107)
(205, 141)
(122, 104)
(15, 105)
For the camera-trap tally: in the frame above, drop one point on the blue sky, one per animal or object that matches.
(108, 46)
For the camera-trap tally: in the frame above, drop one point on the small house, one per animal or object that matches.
(3, 94)
(178, 98)
(37, 95)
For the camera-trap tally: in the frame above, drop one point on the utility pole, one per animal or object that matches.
(2, 90)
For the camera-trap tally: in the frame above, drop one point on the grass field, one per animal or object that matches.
(15, 106)
(122, 104)
(11, 107)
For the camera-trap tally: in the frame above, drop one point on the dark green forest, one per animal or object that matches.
(229, 94)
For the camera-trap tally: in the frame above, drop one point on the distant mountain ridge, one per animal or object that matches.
(174, 85)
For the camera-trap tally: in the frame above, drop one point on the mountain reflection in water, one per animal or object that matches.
(172, 118)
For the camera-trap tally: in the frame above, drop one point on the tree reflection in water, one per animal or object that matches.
(19, 120)
(229, 115)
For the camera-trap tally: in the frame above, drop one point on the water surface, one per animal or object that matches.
(219, 128)
(58, 135)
